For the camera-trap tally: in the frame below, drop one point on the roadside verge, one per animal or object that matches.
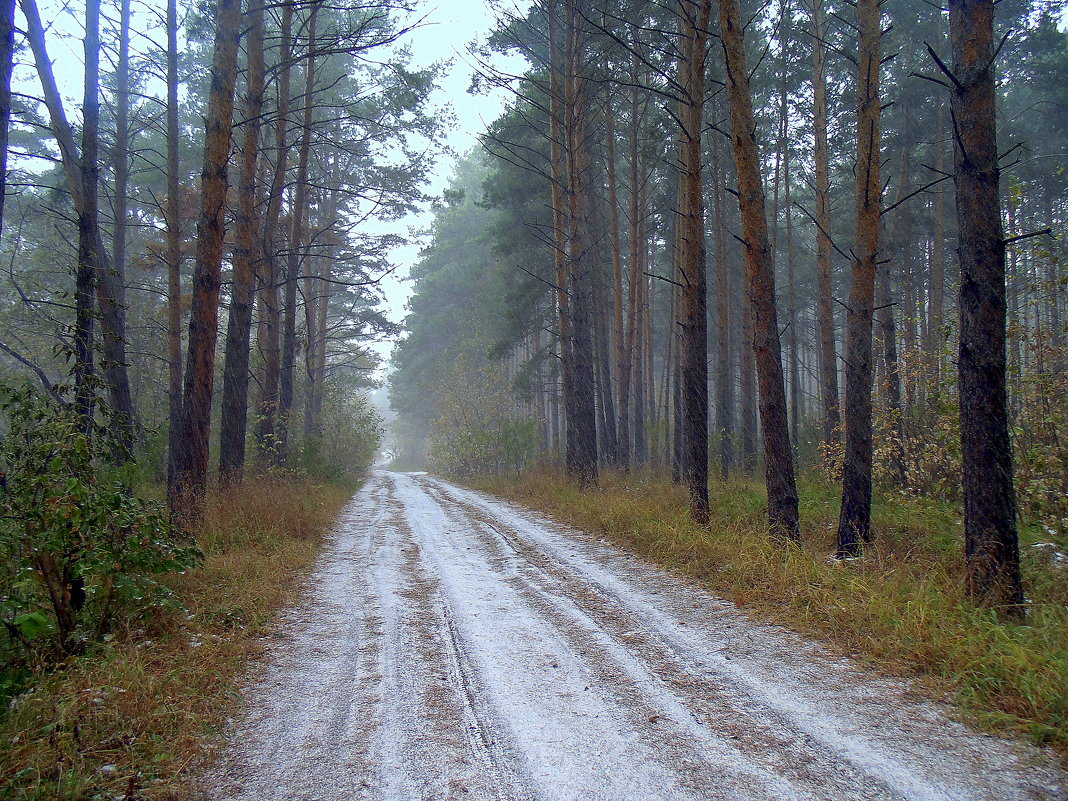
(136, 717)
(900, 609)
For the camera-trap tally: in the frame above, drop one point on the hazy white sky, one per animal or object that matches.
(450, 25)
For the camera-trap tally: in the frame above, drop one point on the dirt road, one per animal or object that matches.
(454, 646)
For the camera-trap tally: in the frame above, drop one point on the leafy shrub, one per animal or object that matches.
(350, 438)
(477, 430)
(928, 438)
(77, 548)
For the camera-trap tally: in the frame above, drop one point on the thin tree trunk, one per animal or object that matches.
(312, 265)
(760, 282)
(234, 422)
(854, 522)
(694, 18)
(641, 438)
(747, 409)
(121, 150)
(269, 325)
(561, 225)
(935, 322)
(609, 450)
(675, 329)
(892, 377)
(991, 544)
(888, 333)
(650, 373)
(207, 275)
(791, 306)
(724, 374)
(824, 267)
(82, 172)
(110, 291)
(637, 235)
(582, 424)
(623, 407)
(323, 305)
(7, 61)
(174, 263)
(287, 375)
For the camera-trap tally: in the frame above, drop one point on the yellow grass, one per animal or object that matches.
(901, 608)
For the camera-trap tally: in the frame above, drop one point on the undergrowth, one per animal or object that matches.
(132, 718)
(901, 607)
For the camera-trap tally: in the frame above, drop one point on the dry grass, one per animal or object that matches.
(901, 607)
(131, 719)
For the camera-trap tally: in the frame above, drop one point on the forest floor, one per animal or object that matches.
(451, 645)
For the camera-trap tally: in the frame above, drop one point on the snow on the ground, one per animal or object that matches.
(450, 645)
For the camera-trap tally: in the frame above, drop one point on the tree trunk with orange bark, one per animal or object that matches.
(854, 522)
(207, 274)
(234, 422)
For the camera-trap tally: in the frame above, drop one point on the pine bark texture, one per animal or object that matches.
(234, 416)
(207, 275)
(854, 522)
(582, 421)
(760, 282)
(694, 21)
(991, 544)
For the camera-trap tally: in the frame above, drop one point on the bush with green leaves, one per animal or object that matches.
(477, 429)
(346, 447)
(79, 552)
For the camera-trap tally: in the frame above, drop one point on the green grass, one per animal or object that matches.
(901, 607)
(135, 718)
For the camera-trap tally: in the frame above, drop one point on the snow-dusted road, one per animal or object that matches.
(454, 646)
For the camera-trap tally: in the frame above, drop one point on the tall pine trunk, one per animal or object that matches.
(854, 522)
(268, 328)
(619, 340)
(207, 274)
(121, 151)
(174, 262)
(724, 374)
(694, 16)
(991, 544)
(824, 266)
(234, 421)
(760, 282)
(582, 421)
(7, 62)
(299, 207)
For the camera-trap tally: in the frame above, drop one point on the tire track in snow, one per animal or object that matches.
(873, 730)
(450, 645)
(700, 750)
